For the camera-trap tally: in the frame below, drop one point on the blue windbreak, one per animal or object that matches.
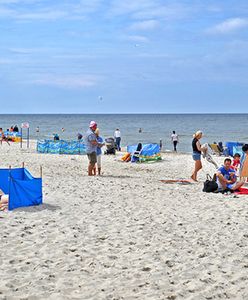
(61, 147)
(230, 146)
(23, 189)
(147, 149)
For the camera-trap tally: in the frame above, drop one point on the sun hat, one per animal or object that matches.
(199, 132)
(92, 124)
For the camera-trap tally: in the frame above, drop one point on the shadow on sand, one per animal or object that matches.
(36, 208)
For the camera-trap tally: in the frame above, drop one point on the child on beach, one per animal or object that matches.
(99, 140)
(236, 162)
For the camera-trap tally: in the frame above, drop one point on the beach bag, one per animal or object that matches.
(210, 185)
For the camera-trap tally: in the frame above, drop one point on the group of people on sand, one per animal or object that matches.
(227, 175)
(4, 136)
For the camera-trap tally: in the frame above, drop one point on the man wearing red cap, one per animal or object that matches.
(91, 146)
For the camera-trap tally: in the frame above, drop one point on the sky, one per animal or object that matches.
(116, 56)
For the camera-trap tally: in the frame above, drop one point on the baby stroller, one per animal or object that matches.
(110, 145)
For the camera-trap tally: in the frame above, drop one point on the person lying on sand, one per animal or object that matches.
(226, 177)
(4, 200)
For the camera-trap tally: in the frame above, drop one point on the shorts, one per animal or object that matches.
(99, 161)
(92, 158)
(196, 156)
(230, 186)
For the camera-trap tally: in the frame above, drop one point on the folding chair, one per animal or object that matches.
(136, 155)
(215, 149)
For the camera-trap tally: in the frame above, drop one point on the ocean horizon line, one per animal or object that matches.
(133, 113)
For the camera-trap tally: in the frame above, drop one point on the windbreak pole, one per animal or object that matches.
(25, 125)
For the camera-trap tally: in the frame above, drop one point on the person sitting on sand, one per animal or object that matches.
(197, 149)
(79, 136)
(226, 177)
(4, 200)
(55, 137)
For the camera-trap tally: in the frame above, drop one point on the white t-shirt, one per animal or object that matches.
(117, 134)
(174, 137)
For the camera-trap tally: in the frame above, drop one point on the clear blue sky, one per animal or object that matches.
(97, 56)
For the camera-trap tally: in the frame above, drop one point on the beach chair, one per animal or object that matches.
(136, 155)
(215, 149)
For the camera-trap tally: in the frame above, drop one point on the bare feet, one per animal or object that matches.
(193, 178)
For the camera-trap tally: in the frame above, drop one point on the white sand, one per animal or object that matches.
(124, 235)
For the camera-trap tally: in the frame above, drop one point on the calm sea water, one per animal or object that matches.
(216, 127)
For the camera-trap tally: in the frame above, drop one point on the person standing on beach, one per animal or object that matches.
(98, 152)
(91, 146)
(197, 149)
(175, 140)
(117, 136)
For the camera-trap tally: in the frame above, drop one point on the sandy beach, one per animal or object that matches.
(124, 235)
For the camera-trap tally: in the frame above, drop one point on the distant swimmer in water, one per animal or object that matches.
(140, 130)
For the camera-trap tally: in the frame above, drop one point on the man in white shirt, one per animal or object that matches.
(174, 139)
(117, 136)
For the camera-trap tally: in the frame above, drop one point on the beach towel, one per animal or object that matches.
(242, 191)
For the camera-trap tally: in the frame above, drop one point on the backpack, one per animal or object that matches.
(210, 185)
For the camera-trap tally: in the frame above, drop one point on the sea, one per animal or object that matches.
(136, 128)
